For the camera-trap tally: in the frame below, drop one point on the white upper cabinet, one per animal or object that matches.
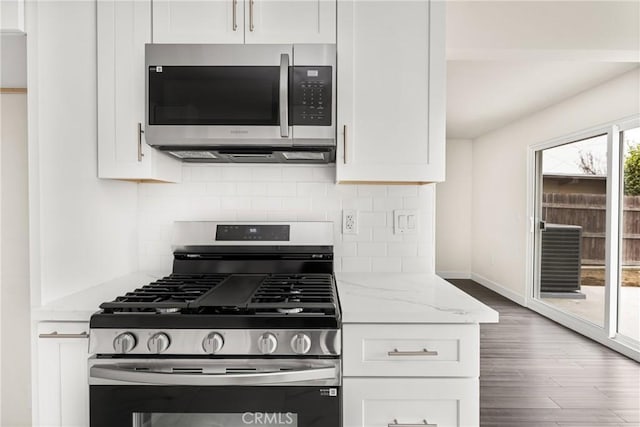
(123, 29)
(12, 16)
(298, 21)
(244, 21)
(199, 21)
(391, 91)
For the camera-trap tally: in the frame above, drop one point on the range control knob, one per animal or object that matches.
(213, 343)
(124, 343)
(300, 343)
(267, 343)
(158, 343)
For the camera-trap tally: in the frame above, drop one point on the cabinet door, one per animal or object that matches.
(373, 402)
(290, 21)
(198, 21)
(63, 387)
(391, 97)
(123, 29)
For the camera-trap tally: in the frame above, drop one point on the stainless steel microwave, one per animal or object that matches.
(241, 103)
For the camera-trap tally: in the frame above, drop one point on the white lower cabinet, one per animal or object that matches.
(411, 375)
(382, 402)
(62, 384)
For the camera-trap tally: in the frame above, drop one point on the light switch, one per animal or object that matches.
(405, 221)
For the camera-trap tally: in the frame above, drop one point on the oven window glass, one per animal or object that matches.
(199, 95)
(245, 419)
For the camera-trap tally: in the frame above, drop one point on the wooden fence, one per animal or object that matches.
(589, 211)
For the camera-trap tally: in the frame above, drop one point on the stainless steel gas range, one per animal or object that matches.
(244, 332)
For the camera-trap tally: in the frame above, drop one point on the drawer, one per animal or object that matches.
(385, 402)
(403, 350)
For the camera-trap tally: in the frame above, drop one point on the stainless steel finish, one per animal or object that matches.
(202, 233)
(237, 342)
(251, 26)
(210, 372)
(235, 15)
(267, 343)
(55, 334)
(124, 342)
(284, 95)
(344, 143)
(140, 132)
(423, 424)
(423, 352)
(301, 343)
(240, 55)
(158, 343)
(213, 343)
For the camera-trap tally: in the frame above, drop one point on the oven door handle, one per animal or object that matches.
(131, 376)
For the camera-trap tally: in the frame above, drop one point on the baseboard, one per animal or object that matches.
(454, 274)
(499, 289)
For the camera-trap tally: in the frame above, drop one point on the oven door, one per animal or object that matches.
(214, 393)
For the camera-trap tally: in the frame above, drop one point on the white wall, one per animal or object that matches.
(14, 250)
(453, 213)
(83, 230)
(287, 192)
(14, 310)
(499, 221)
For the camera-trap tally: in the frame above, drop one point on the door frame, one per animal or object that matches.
(608, 335)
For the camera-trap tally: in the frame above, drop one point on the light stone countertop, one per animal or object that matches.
(81, 305)
(364, 298)
(407, 298)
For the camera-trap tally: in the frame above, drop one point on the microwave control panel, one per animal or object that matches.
(310, 96)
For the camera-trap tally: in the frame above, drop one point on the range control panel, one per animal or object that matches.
(310, 97)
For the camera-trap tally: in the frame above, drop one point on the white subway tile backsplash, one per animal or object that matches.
(387, 264)
(235, 203)
(403, 191)
(387, 203)
(372, 219)
(251, 189)
(415, 265)
(266, 203)
(312, 189)
(234, 173)
(356, 264)
(290, 193)
(403, 249)
(372, 249)
(266, 173)
(298, 174)
(282, 189)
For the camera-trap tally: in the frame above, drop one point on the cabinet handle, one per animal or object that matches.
(55, 334)
(422, 424)
(423, 352)
(251, 26)
(344, 144)
(140, 132)
(235, 15)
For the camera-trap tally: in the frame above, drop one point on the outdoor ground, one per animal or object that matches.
(591, 308)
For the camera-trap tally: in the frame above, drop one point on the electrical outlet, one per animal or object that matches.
(349, 221)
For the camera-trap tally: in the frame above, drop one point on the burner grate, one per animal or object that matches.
(308, 292)
(172, 292)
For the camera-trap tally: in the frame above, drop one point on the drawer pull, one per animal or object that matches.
(55, 334)
(422, 424)
(423, 352)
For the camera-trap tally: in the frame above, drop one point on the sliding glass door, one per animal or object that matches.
(587, 233)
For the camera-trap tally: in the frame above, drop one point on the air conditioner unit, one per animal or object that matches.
(561, 258)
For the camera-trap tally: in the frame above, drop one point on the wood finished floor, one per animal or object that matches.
(535, 372)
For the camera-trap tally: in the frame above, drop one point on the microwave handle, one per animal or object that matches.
(284, 95)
